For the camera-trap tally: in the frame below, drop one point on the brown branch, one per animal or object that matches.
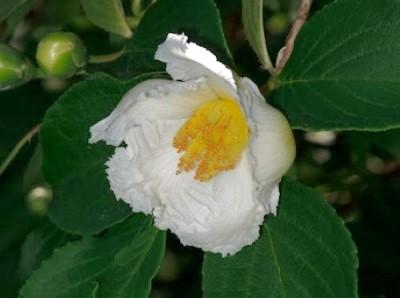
(286, 51)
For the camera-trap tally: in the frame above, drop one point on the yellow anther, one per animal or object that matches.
(213, 139)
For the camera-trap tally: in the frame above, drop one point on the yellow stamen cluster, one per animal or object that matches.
(212, 139)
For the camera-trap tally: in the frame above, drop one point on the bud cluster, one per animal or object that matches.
(59, 54)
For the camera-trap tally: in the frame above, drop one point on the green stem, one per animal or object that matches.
(133, 22)
(269, 86)
(18, 148)
(97, 59)
(39, 74)
(136, 7)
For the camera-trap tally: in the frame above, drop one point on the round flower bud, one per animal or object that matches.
(39, 199)
(15, 69)
(61, 54)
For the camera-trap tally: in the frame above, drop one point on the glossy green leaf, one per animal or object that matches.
(108, 15)
(253, 23)
(118, 264)
(345, 68)
(305, 251)
(75, 169)
(172, 16)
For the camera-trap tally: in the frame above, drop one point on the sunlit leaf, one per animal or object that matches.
(345, 68)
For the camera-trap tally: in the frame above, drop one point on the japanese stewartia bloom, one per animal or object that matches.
(203, 153)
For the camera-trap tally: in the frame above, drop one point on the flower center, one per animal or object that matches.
(212, 139)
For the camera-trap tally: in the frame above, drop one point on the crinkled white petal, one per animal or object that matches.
(187, 60)
(221, 216)
(151, 100)
(271, 146)
(126, 168)
(125, 179)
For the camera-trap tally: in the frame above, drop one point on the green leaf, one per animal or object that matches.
(61, 13)
(253, 23)
(108, 15)
(18, 15)
(119, 264)
(305, 251)
(38, 246)
(73, 167)
(7, 7)
(199, 20)
(345, 68)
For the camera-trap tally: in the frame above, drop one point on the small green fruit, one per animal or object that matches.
(61, 54)
(15, 69)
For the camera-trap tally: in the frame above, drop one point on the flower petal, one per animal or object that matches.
(186, 61)
(151, 100)
(128, 169)
(125, 179)
(272, 144)
(236, 220)
(221, 215)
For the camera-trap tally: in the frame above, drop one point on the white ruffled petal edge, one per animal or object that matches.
(187, 61)
(272, 145)
(151, 100)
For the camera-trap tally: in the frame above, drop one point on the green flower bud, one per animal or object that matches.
(15, 69)
(61, 54)
(39, 199)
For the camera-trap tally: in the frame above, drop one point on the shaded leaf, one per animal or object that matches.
(171, 16)
(7, 7)
(253, 23)
(305, 251)
(108, 15)
(38, 246)
(74, 168)
(18, 15)
(119, 264)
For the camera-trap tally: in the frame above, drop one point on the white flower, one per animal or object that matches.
(203, 153)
